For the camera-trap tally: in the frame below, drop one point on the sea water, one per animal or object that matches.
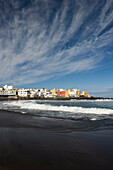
(71, 109)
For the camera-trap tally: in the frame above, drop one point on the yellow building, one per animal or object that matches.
(85, 93)
(78, 92)
(66, 93)
(54, 92)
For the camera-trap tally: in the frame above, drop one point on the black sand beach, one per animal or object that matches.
(29, 142)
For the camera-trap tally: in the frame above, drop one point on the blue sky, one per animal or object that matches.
(57, 43)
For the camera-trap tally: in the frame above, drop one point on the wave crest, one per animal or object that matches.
(69, 109)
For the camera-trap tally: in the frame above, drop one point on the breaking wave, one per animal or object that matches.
(68, 109)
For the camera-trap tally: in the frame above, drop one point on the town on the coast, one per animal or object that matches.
(13, 93)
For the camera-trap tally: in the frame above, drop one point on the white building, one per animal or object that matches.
(60, 89)
(40, 94)
(6, 87)
(48, 95)
(73, 92)
(1, 92)
(33, 93)
(7, 90)
(44, 90)
(24, 93)
(10, 92)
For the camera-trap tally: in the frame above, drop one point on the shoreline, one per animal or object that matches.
(30, 142)
(7, 98)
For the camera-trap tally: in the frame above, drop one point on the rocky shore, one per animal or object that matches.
(3, 98)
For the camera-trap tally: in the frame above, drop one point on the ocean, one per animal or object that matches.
(100, 112)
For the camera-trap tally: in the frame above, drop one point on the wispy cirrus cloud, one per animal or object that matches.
(41, 39)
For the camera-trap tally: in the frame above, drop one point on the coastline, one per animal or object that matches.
(53, 98)
(29, 142)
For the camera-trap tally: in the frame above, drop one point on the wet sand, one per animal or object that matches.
(28, 142)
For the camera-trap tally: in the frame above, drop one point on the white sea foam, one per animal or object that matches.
(24, 112)
(104, 100)
(93, 119)
(70, 109)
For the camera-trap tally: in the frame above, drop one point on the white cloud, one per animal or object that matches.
(37, 43)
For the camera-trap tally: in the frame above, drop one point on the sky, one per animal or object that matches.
(57, 43)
